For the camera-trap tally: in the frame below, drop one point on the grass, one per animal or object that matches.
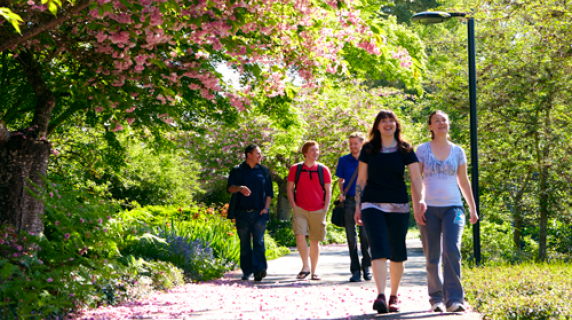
(525, 291)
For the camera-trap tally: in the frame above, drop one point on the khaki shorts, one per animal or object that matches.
(310, 223)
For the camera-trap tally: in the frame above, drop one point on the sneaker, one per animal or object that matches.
(380, 304)
(258, 276)
(438, 307)
(245, 277)
(456, 307)
(393, 304)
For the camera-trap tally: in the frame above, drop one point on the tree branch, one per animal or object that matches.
(59, 120)
(48, 25)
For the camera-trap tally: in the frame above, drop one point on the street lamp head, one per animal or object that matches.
(435, 17)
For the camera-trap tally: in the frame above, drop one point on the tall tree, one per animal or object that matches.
(152, 63)
(524, 86)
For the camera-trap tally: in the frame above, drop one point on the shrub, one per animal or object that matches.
(525, 291)
(75, 263)
(500, 247)
(198, 239)
(192, 256)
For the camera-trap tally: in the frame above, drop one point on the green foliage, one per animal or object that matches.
(497, 245)
(198, 239)
(524, 81)
(127, 167)
(525, 291)
(281, 232)
(76, 262)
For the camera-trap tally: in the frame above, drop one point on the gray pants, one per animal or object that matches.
(352, 236)
(447, 222)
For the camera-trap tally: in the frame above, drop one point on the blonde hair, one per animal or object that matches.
(358, 135)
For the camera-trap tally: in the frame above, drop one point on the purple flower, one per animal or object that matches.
(57, 223)
(105, 230)
(81, 220)
(67, 236)
(50, 280)
(51, 194)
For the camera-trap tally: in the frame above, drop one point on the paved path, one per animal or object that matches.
(280, 296)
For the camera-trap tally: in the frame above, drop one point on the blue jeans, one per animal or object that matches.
(441, 236)
(251, 226)
(352, 237)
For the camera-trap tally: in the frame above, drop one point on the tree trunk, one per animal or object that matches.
(22, 159)
(517, 235)
(517, 215)
(284, 209)
(542, 249)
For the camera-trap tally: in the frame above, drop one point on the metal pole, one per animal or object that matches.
(474, 144)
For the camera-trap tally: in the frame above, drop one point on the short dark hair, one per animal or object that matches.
(249, 149)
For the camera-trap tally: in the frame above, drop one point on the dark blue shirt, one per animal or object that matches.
(258, 180)
(347, 165)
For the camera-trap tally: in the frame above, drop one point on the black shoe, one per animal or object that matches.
(380, 304)
(367, 275)
(356, 277)
(245, 277)
(258, 276)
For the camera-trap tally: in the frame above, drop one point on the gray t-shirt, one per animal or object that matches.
(440, 177)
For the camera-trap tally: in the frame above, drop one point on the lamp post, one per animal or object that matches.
(438, 17)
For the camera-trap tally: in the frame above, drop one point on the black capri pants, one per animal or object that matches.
(386, 232)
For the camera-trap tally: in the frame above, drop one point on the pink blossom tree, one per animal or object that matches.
(152, 64)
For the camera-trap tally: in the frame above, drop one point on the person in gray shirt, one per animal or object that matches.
(444, 169)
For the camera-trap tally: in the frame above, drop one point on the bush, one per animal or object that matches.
(198, 239)
(500, 247)
(75, 263)
(525, 291)
(128, 166)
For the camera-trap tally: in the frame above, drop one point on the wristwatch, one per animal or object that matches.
(267, 210)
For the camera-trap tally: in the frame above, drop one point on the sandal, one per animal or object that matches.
(316, 277)
(302, 275)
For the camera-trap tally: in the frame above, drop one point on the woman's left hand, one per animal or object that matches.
(419, 212)
(474, 217)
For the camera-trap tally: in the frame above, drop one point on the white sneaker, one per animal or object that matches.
(438, 307)
(456, 307)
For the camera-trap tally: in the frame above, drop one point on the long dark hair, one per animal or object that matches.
(374, 135)
(431, 116)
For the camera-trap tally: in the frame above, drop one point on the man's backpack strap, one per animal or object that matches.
(298, 172)
(321, 177)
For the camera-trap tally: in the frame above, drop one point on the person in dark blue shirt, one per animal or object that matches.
(253, 183)
(347, 165)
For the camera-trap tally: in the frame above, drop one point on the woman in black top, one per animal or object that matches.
(383, 202)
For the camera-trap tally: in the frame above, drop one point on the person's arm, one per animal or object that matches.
(360, 187)
(266, 206)
(242, 189)
(328, 187)
(465, 185)
(417, 194)
(341, 186)
(290, 194)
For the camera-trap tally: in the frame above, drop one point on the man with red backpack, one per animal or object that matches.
(309, 193)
